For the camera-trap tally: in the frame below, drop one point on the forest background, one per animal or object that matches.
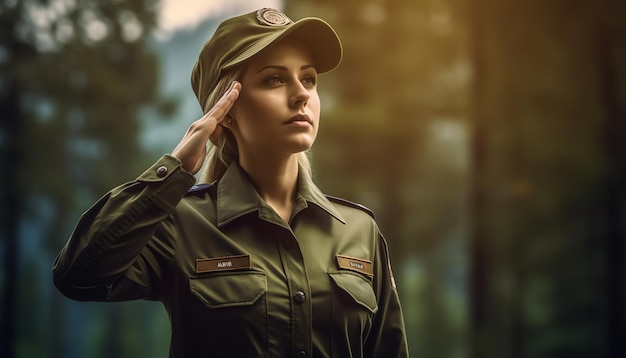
(488, 136)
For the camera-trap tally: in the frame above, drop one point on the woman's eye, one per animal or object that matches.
(311, 81)
(274, 79)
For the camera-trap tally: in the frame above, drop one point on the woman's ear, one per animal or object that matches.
(228, 121)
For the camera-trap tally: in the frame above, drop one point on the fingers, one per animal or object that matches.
(191, 150)
(220, 110)
(225, 103)
(216, 134)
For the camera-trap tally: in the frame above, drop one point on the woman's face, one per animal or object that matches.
(278, 109)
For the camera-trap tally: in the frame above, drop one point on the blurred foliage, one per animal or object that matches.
(548, 112)
(488, 137)
(75, 75)
(394, 138)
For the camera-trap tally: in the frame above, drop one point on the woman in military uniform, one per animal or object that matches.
(258, 262)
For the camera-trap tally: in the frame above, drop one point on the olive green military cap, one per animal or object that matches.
(240, 38)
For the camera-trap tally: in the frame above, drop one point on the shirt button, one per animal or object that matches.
(162, 171)
(301, 354)
(299, 297)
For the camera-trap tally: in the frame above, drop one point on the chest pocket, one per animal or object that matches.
(357, 287)
(229, 289)
(234, 323)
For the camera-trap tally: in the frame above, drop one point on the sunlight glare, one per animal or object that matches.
(183, 14)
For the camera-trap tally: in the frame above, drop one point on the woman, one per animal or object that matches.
(259, 263)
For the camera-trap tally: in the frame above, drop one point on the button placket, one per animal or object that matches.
(299, 297)
(296, 274)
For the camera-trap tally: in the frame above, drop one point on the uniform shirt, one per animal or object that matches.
(236, 279)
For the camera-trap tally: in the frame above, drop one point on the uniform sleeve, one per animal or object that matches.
(121, 244)
(388, 335)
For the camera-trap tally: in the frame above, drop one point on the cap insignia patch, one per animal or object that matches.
(272, 17)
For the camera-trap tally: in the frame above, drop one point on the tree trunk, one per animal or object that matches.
(478, 257)
(615, 196)
(10, 131)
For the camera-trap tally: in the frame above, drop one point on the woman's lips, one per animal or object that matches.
(301, 120)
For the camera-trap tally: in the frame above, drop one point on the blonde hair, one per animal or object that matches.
(224, 152)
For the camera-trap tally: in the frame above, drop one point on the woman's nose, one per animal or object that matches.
(300, 96)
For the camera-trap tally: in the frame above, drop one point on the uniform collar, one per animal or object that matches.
(237, 197)
(312, 194)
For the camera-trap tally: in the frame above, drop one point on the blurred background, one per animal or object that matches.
(488, 136)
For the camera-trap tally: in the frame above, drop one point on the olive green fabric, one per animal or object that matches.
(239, 38)
(236, 279)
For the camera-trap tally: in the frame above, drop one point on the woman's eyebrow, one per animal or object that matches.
(284, 68)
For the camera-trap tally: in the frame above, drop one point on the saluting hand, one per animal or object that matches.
(191, 150)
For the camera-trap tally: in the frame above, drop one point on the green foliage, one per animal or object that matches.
(487, 136)
(393, 137)
(494, 129)
(79, 73)
(541, 182)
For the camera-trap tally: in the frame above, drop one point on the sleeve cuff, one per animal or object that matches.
(169, 180)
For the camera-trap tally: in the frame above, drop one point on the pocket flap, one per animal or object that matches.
(357, 287)
(229, 289)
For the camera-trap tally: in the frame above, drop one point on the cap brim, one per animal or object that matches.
(317, 35)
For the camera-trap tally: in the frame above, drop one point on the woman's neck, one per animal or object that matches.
(275, 179)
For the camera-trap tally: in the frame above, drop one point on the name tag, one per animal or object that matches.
(354, 264)
(226, 263)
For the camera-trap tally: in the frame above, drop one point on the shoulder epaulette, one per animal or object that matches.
(351, 204)
(199, 187)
